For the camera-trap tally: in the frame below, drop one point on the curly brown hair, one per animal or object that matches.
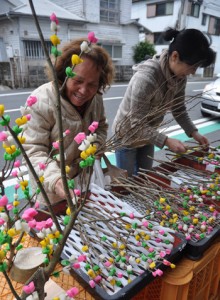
(97, 54)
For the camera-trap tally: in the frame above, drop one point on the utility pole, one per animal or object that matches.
(183, 16)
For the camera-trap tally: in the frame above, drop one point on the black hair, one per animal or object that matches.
(192, 46)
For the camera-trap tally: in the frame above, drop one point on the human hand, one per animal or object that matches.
(175, 145)
(59, 189)
(201, 139)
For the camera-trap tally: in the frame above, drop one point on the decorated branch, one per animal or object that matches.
(18, 219)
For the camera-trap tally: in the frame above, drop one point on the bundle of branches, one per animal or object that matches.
(129, 132)
(15, 221)
(114, 244)
(191, 209)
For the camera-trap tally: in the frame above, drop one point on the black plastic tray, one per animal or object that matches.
(195, 250)
(131, 289)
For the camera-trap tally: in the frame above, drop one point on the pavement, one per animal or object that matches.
(4, 88)
(199, 78)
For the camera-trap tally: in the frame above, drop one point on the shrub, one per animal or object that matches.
(141, 50)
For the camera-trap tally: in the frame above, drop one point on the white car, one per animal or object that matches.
(210, 104)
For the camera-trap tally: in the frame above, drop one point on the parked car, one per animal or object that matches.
(210, 104)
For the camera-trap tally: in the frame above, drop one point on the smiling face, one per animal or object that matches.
(83, 87)
(179, 68)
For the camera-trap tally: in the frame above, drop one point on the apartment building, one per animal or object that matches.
(22, 59)
(157, 15)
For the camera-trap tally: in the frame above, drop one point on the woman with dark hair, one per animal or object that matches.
(157, 86)
(81, 104)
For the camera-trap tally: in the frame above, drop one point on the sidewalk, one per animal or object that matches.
(4, 88)
(200, 78)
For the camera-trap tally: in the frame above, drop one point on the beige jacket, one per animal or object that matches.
(152, 91)
(42, 131)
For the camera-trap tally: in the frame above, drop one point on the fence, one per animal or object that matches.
(22, 73)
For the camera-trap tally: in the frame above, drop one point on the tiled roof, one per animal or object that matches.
(45, 8)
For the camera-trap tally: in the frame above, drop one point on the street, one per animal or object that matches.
(112, 98)
(14, 99)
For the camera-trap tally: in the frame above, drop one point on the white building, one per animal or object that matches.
(22, 60)
(157, 15)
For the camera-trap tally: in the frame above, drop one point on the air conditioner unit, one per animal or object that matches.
(9, 51)
(7, 77)
(16, 52)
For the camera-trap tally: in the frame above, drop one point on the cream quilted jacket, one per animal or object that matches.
(42, 131)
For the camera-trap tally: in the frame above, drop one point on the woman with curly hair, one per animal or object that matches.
(81, 104)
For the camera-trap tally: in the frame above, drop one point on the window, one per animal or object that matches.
(214, 26)
(34, 50)
(158, 39)
(115, 51)
(193, 9)
(217, 26)
(160, 9)
(109, 11)
(204, 19)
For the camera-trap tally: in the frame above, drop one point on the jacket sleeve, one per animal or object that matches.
(180, 113)
(144, 108)
(38, 140)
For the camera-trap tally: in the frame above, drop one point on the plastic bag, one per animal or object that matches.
(104, 176)
(98, 175)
